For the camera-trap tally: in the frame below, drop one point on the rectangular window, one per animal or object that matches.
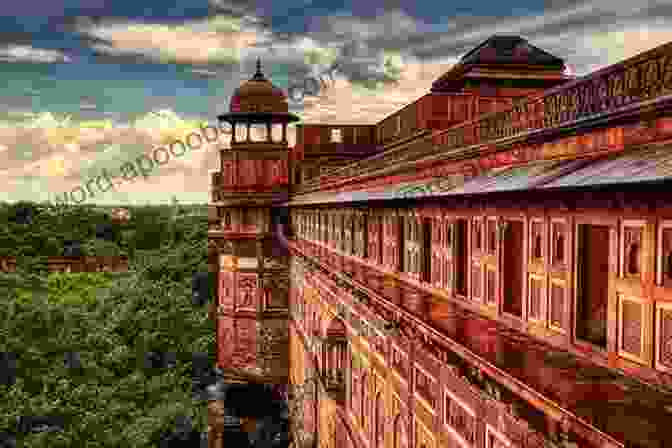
(592, 283)
(665, 254)
(513, 268)
(426, 250)
(461, 257)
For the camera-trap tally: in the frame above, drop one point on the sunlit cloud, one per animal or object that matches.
(217, 40)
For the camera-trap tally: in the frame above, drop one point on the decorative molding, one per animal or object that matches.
(633, 323)
(664, 337)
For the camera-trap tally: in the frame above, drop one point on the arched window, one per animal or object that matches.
(477, 235)
(560, 248)
(633, 259)
(669, 265)
(537, 246)
(227, 219)
(492, 240)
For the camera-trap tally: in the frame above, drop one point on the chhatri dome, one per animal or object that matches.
(258, 102)
(258, 95)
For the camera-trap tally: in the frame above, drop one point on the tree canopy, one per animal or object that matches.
(81, 341)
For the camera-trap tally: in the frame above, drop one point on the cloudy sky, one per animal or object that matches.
(89, 84)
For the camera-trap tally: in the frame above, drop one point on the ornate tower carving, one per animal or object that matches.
(245, 228)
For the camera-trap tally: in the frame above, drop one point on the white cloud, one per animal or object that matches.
(218, 40)
(26, 53)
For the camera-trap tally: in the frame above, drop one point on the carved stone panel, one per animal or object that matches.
(536, 298)
(245, 343)
(664, 254)
(227, 174)
(491, 286)
(664, 341)
(634, 329)
(225, 346)
(631, 251)
(476, 282)
(557, 305)
(227, 290)
(399, 362)
(247, 291)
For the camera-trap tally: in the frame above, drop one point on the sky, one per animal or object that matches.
(91, 84)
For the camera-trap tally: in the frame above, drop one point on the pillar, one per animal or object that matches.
(215, 424)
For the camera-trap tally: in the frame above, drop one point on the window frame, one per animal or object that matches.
(663, 225)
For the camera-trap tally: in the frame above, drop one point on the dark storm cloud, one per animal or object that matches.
(394, 26)
(55, 8)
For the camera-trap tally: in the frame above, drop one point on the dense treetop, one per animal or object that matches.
(34, 229)
(76, 346)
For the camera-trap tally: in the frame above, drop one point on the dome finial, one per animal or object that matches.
(259, 75)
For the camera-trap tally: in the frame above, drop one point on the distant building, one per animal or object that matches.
(74, 264)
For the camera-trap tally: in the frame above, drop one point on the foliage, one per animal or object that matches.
(112, 321)
(149, 228)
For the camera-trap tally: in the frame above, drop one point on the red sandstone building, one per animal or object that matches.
(490, 266)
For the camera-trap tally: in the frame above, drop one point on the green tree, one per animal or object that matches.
(112, 320)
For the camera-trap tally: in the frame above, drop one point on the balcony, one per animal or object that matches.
(337, 141)
(258, 181)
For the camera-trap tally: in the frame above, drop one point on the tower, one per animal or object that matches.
(251, 265)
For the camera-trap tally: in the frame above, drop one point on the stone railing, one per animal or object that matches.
(610, 93)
